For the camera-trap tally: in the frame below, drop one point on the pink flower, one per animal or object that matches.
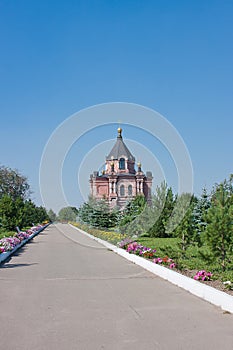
(172, 265)
(203, 275)
(157, 260)
(2, 250)
(132, 247)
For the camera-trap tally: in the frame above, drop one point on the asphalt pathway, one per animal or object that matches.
(65, 291)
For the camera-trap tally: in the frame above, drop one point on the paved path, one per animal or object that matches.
(64, 291)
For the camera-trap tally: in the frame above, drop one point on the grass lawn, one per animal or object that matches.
(195, 258)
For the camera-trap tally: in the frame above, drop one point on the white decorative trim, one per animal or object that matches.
(210, 294)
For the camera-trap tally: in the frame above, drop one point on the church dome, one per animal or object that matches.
(120, 149)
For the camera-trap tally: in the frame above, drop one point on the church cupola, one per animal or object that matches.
(121, 156)
(120, 182)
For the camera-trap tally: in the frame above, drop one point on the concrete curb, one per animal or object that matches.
(210, 294)
(6, 255)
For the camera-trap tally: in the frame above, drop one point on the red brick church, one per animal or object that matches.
(120, 182)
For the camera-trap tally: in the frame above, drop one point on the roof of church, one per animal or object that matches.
(120, 149)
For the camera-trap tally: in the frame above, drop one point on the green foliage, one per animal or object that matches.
(97, 214)
(20, 213)
(67, 214)
(130, 222)
(184, 229)
(15, 209)
(162, 206)
(163, 246)
(4, 233)
(13, 184)
(110, 236)
(199, 211)
(41, 215)
(218, 233)
(9, 212)
(52, 215)
(30, 214)
(196, 258)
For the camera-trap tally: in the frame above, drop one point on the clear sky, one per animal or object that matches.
(58, 57)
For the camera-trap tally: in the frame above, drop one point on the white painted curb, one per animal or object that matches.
(210, 294)
(6, 255)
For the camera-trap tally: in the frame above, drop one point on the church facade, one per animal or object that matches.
(120, 182)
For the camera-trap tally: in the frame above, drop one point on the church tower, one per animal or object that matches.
(120, 182)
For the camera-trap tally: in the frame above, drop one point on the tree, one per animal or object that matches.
(13, 184)
(9, 210)
(131, 219)
(96, 212)
(162, 206)
(27, 214)
(67, 214)
(52, 215)
(15, 208)
(85, 213)
(186, 228)
(133, 208)
(16, 212)
(200, 209)
(219, 217)
(40, 215)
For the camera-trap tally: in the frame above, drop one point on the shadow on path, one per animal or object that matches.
(11, 266)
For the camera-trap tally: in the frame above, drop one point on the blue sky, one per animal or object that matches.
(172, 56)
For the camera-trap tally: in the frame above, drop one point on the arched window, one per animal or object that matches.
(122, 190)
(130, 190)
(122, 164)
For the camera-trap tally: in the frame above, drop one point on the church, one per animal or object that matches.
(120, 182)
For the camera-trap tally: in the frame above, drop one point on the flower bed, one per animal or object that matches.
(211, 293)
(9, 245)
(110, 236)
(202, 275)
(152, 255)
(146, 252)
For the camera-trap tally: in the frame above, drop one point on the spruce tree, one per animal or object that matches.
(186, 228)
(162, 206)
(219, 218)
(200, 209)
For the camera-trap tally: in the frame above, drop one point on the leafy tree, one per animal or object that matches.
(15, 209)
(13, 184)
(40, 215)
(219, 217)
(67, 214)
(16, 212)
(52, 215)
(27, 214)
(9, 210)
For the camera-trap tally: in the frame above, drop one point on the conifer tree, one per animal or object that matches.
(52, 215)
(219, 218)
(200, 209)
(162, 206)
(181, 222)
